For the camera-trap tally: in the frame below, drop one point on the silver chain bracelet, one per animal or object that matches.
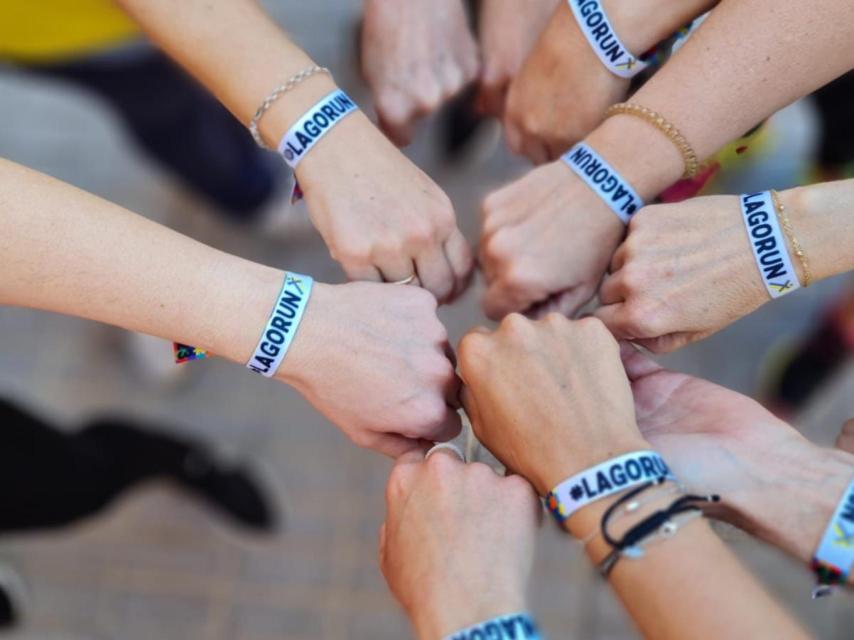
(279, 91)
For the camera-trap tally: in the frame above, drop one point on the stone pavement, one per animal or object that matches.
(158, 565)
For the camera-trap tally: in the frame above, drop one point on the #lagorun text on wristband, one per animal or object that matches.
(768, 244)
(282, 325)
(605, 479)
(617, 193)
(519, 626)
(314, 125)
(594, 24)
(834, 557)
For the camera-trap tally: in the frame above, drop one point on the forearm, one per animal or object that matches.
(642, 25)
(235, 50)
(691, 585)
(68, 251)
(821, 216)
(797, 488)
(749, 59)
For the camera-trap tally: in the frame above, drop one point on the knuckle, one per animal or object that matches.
(432, 412)
(363, 439)
(472, 347)
(556, 320)
(515, 324)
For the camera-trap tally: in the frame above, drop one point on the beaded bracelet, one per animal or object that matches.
(689, 156)
(790, 233)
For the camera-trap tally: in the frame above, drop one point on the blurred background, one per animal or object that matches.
(221, 506)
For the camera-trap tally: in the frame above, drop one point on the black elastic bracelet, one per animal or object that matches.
(646, 527)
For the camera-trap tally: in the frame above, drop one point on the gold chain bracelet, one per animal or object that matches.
(790, 234)
(689, 157)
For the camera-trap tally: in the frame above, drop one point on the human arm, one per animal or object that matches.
(380, 216)
(371, 357)
(508, 31)
(416, 55)
(774, 483)
(679, 257)
(563, 89)
(568, 406)
(550, 239)
(445, 540)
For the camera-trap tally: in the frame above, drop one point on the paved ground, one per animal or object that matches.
(160, 566)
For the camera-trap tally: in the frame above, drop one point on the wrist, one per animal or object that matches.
(306, 349)
(641, 154)
(642, 25)
(436, 621)
(796, 489)
(819, 216)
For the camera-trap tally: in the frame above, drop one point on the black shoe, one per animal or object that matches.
(141, 454)
(232, 490)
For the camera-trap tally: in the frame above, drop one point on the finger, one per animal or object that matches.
(367, 273)
(514, 136)
(618, 260)
(448, 429)
(470, 405)
(612, 290)
(446, 449)
(535, 150)
(396, 268)
(404, 450)
(382, 544)
(398, 128)
(459, 255)
(615, 318)
(435, 273)
(571, 301)
(665, 343)
(500, 300)
(636, 364)
(451, 392)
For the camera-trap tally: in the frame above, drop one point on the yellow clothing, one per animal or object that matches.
(47, 31)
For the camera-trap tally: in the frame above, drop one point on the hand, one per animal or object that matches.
(561, 93)
(374, 359)
(508, 31)
(684, 272)
(415, 55)
(457, 544)
(547, 240)
(773, 482)
(548, 398)
(380, 215)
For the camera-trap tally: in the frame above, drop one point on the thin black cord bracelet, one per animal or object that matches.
(646, 527)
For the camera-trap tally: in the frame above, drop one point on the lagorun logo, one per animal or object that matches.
(518, 627)
(603, 179)
(758, 214)
(619, 475)
(600, 32)
(280, 326)
(323, 116)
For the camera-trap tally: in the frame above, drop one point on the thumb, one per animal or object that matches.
(636, 364)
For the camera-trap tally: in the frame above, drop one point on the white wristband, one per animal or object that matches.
(594, 24)
(618, 194)
(315, 124)
(834, 557)
(768, 244)
(282, 325)
(605, 479)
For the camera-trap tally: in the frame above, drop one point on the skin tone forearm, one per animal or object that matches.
(650, 295)
(382, 377)
(381, 217)
(568, 407)
(748, 60)
(67, 251)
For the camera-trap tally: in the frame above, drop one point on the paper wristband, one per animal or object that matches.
(519, 626)
(608, 478)
(768, 244)
(315, 124)
(594, 24)
(834, 557)
(282, 325)
(597, 174)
